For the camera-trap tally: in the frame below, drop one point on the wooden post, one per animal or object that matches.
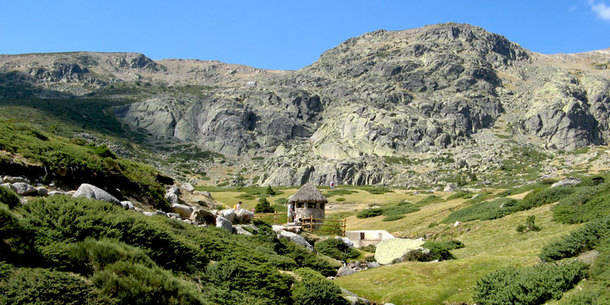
(310, 223)
(344, 226)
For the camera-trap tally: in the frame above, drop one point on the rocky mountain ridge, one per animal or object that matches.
(375, 109)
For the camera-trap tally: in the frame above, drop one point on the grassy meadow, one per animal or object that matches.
(489, 244)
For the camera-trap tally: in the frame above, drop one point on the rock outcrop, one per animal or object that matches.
(356, 115)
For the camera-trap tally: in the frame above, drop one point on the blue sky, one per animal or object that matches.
(283, 34)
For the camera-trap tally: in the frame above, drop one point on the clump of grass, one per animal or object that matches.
(429, 199)
(484, 210)
(338, 192)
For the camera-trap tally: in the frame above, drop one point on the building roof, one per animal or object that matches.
(308, 193)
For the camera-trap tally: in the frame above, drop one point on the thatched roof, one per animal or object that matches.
(308, 193)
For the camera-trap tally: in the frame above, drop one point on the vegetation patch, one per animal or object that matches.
(311, 288)
(583, 239)
(336, 249)
(529, 285)
(484, 210)
(9, 197)
(338, 192)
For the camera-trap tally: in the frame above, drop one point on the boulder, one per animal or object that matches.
(24, 189)
(54, 193)
(93, 192)
(204, 194)
(229, 214)
(239, 229)
(345, 270)
(174, 215)
(184, 210)
(127, 205)
(7, 185)
(450, 187)
(354, 300)
(10, 179)
(188, 187)
(203, 217)
(567, 182)
(243, 216)
(295, 238)
(372, 265)
(389, 250)
(346, 241)
(224, 223)
(42, 191)
(172, 198)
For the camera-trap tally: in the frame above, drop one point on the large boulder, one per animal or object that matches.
(224, 223)
(42, 191)
(203, 217)
(345, 270)
(243, 216)
(184, 210)
(127, 205)
(567, 182)
(188, 187)
(24, 189)
(229, 214)
(93, 192)
(389, 250)
(295, 238)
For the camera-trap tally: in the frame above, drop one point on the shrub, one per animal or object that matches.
(530, 225)
(372, 212)
(484, 210)
(269, 191)
(59, 218)
(259, 280)
(585, 204)
(92, 255)
(42, 287)
(393, 217)
(544, 196)
(578, 241)
(263, 206)
(314, 289)
(336, 249)
(439, 251)
(340, 199)
(460, 194)
(401, 208)
(529, 285)
(9, 197)
(429, 199)
(133, 284)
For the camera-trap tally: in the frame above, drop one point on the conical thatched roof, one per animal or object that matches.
(308, 193)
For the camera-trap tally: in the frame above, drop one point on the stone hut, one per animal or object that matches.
(305, 203)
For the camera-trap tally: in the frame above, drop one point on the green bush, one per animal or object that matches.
(530, 225)
(336, 249)
(372, 212)
(134, 284)
(529, 285)
(15, 241)
(340, 199)
(429, 199)
(92, 255)
(9, 197)
(393, 217)
(484, 210)
(59, 218)
(263, 206)
(434, 250)
(269, 191)
(544, 196)
(42, 287)
(461, 194)
(401, 208)
(335, 192)
(585, 204)
(314, 289)
(259, 280)
(578, 241)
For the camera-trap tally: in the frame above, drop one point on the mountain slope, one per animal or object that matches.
(452, 96)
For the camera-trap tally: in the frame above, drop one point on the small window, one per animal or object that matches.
(310, 205)
(361, 235)
(322, 206)
(299, 205)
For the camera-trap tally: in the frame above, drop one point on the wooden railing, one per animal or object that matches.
(326, 226)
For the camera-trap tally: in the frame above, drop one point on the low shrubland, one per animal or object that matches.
(528, 285)
(57, 159)
(96, 253)
(434, 251)
(391, 212)
(311, 288)
(336, 249)
(583, 239)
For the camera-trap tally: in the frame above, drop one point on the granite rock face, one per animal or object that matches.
(356, 113)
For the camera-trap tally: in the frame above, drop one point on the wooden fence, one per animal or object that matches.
(327, 226)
